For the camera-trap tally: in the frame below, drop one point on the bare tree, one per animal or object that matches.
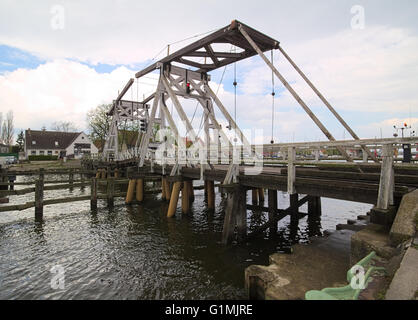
(7, 130)
(64, 126)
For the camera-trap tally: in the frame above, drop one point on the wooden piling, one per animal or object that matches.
(314, 206)
(39, 197)
(174, 199)
(163, 196)
(103, 173)
(294, 208)
(93, 194)
(140, 190)
(387, 179)
(254, 196)
(235, 215)
(110, 191)
(272, 205)
(130, 192)
(261, 196)
(191, 191)
(211, 195)
(116, 173)
(71, 177)
(185, 197)
(241, 214)
(167, 189)
(98, 174)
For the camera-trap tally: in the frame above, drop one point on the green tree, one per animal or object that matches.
(98, 123)
(20, 141)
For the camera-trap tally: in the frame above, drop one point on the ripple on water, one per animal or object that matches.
(136, 253)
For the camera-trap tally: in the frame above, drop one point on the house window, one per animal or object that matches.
(56, 152)
(33, 142)
(33, 152)
(49, 153)
(41, 152)
(82, 138)
(56, 143)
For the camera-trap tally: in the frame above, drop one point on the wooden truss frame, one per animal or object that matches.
(181, 76)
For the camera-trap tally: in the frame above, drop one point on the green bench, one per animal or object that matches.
(348, 292)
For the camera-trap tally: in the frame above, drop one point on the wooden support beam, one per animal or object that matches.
(293, 92)
(387, 179)
(191, 190)
(163, 195)
(39, 197)
(291, 170)
(185, 198)
(110, 192)
(254, 196)
(174, 198)
(314, 206)
(140, 190)
(130, 191)
(261, 196)
(93, 194)
(241, 215)
(211, 195)
(272, 207)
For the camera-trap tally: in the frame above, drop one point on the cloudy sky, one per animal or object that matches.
(59, 59)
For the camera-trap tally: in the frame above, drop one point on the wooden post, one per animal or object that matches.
(387, 179)
(260, 196)
(211, 195)
(140, 190)
(42, 174)
(98, 174)
(174, 199)
(167, 189)
(163, 196)
(294, 209)
(235, 214)
(103, 173)
(241, 215)
(93, 194)
(314, 206)
(116, 173)
(191, 191)
(130, 192)
(82, 181)
(185, 197)
(291, 170)
(110, 191)
(39, 197)
(254, 196)
(272, 202)
(71, 177)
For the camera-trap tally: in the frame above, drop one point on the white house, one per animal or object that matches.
(60, 144)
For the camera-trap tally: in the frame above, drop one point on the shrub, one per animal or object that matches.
(42, 158)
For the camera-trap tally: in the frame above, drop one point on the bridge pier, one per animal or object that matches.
(235, 214)
(272, 205)
(314, 206)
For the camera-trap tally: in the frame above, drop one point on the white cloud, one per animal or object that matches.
(60, 90)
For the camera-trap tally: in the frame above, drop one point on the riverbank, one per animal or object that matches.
(324, 262)
(36, 165)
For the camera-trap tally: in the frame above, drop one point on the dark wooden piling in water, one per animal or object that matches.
(93, 194)
(185, 197)
(110, 191)
(211, 194)
(39, 197)
(272, 205)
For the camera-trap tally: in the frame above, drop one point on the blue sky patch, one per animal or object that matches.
(13, 58)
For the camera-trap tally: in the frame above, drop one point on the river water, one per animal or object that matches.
(135, 252)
